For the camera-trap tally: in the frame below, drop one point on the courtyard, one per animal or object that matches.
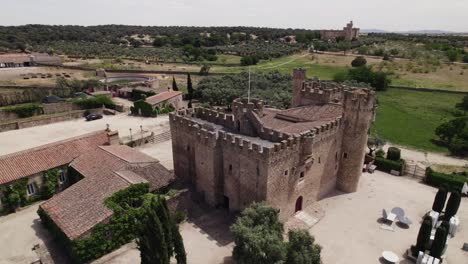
(17, 140)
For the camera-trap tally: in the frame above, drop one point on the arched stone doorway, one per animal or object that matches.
(298, 205)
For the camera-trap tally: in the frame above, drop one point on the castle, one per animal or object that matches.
(348, 32)
(289, 158)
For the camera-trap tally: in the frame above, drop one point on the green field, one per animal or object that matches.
(410, 118)
(286, 65)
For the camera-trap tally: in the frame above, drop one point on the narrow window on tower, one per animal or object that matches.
(345, 155)
(286, 172)
(230, 168)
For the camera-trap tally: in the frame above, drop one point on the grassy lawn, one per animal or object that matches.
(410, 118)
(286, 65)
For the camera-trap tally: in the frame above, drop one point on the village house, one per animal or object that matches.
(32, 164)
(104, 171)
(25, 60)
(290, 158)
(162, 99)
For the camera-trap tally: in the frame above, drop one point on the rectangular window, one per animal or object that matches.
(230, 167)
(286, 172)
(301, 175)
(258, 171)
(319, 160)
(62, 177)
(31, 189)
(345, 155)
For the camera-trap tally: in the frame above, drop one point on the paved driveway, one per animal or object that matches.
(19, 232)
(17, 140)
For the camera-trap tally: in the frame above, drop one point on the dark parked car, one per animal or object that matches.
(91, 117)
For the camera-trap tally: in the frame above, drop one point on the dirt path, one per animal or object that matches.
(283, 63)
(428, 158)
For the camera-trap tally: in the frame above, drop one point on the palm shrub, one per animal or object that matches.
(424, 236)
(439, 200)
(440, 240)
(452, 205)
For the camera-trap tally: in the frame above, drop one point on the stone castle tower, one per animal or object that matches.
(289, 158)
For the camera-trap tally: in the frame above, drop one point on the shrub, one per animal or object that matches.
(393, 154)
(95, 102)
(424, 236)
(359, 61)
(249, 60)
(389, 165)
(439, 242)
(439, 200)
(144, 108)
(453, 181)
(380, 153)
(25, 110)
(179, 216)
(452, 205)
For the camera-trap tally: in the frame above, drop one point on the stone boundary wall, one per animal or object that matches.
(141, 71)
(29, 94)
(427, 90)
(44, 120)
(59, 107)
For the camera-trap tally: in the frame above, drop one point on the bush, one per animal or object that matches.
(249, 60)
(389, 165)
(380, 153)
(393, 154)
(424, 236)
(95, 102)
(179, 216)
(26, 110)
(359, 61)
(439, 200)
(143, 108)
(452, 205)
(439, 242)
(453, 181)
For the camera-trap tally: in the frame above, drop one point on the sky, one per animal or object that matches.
(391, 15)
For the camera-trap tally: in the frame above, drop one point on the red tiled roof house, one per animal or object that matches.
(31, 165)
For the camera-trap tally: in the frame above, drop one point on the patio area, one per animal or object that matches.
(350, 231)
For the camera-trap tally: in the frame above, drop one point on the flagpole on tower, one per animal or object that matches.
(248, 92)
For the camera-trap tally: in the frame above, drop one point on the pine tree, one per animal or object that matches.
(439, 242)
(439, 200)
(174, 84)
(152, 242)
(452, 205)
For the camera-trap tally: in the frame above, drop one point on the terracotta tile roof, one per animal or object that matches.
(106, 170)
(29, 162)
(300, 119)
(161, 97)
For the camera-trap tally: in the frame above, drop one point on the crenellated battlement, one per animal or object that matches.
(242, 105)
(184, 124)
(359, 99)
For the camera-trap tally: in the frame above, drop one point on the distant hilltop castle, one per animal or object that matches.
(289, 158)
(348, 32)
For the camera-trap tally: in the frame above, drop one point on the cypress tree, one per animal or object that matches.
(151, 241)
(166, 223)
(174, 84)
(424, 236)
(439, 200)
(452, 205)
(439, 242)
(179, 248)
(189, 88)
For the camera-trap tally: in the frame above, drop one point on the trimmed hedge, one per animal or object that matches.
(388, 165)
(453, 181)
(26, 110)
(96, 102)
(393, 154)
